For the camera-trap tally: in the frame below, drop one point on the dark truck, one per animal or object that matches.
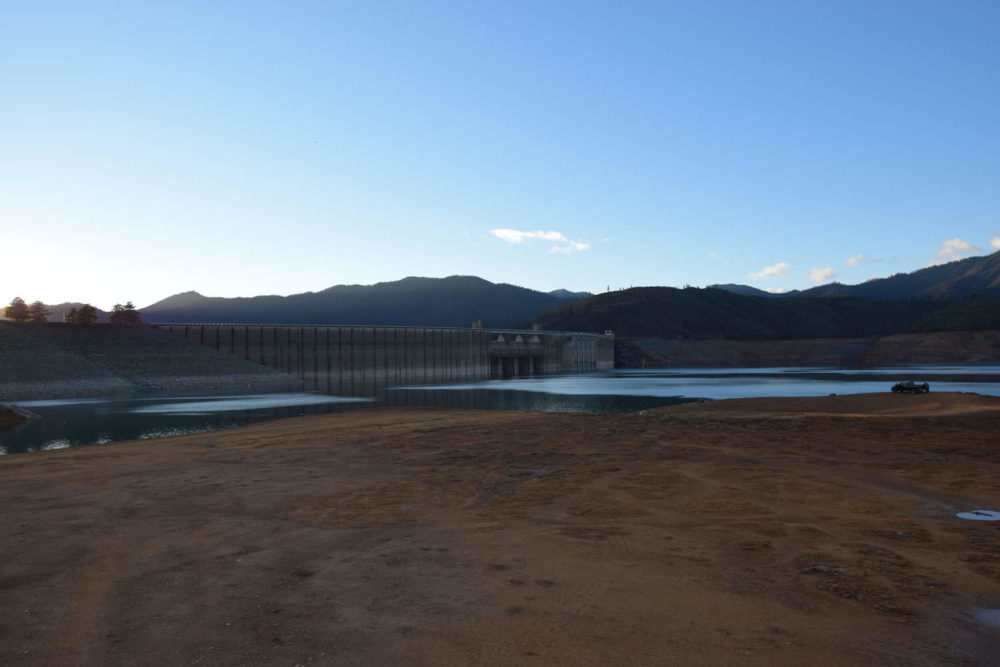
(910, 387)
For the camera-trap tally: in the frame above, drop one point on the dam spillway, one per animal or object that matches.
(363, 360)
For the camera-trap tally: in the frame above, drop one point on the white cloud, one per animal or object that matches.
(779, 270)
(515, 236)
(571, 246)
(821, 275)
(865, 260)
(776, 290)
(995, 242)
(954, 249)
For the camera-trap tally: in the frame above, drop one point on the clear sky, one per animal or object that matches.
(242, 148)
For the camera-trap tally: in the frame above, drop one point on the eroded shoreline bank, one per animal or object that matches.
(752, 531)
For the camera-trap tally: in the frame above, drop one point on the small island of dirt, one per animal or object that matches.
(11, 417)
(750, 532)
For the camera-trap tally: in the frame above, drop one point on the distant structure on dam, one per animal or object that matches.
(361, 361)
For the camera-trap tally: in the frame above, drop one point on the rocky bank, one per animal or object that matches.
(65, 361)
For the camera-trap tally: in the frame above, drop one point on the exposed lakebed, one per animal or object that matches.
(69, 423)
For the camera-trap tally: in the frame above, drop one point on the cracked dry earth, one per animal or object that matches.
(750, 532)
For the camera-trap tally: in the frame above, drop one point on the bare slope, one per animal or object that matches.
(57, 360)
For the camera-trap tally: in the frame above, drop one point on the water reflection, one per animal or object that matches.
(719, 383)
(71, 423)
(234, 403)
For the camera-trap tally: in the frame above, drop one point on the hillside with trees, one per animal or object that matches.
(953, 280)
(709, 313)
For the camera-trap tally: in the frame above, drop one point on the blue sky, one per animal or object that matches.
(245, 148)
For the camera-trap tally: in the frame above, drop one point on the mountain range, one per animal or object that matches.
(709, 313)
(902, 302)
(958, 296)
(455, 301)
(974, 275)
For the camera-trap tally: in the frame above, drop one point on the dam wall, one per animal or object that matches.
(363, 360)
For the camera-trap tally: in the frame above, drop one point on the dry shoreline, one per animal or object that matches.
(746, 532)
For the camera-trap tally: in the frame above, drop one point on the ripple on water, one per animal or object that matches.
(980, 515)
(988, 616)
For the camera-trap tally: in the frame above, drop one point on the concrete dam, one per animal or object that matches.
(363, 360)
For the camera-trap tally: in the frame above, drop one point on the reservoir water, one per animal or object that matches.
(75, 422)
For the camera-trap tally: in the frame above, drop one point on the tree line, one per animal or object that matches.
(38, 313)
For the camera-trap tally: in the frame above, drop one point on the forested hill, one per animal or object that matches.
(954, 280)
(453, 301)
(961, 278)
(693, 313)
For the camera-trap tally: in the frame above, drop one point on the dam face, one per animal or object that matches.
(361, 361)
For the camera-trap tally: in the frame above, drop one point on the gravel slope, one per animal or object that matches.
(60, 361)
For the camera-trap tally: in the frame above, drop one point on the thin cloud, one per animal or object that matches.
(517, 237)
(571, 246)
(865, 260)
(857, 259)
(821, 275)
(954, 249)
(995, 242)
(779, 270)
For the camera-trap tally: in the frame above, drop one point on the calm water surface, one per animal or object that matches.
(71, 423)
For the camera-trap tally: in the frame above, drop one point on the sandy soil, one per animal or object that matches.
(752, 532)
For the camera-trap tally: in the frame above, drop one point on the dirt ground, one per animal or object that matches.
(749, 532)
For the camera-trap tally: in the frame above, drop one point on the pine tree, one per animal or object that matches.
(17, 310)
(38, 313)
(125, 315)
(87, 315)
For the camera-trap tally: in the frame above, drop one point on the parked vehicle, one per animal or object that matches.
(910, 387)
